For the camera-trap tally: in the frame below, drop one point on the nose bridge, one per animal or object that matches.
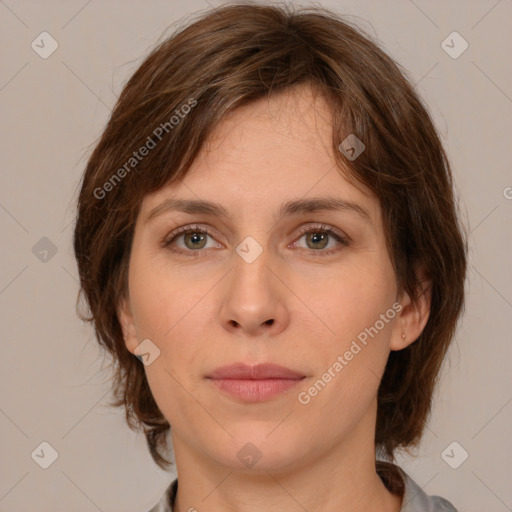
(253, 299)
(251, 273)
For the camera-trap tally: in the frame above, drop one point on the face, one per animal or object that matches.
(271, 278)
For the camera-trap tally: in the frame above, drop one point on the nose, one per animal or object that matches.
(255, 301)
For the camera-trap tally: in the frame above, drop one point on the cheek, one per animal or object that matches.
(169, 311)
(171, 308)
(347, 377)
(352, 351)
(163, 298)
(344, 301)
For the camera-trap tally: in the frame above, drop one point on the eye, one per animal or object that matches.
(318, 238)
(193, 238)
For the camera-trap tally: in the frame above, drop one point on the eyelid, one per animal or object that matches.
(324, 227)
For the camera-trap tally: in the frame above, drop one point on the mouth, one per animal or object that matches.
(254, 383)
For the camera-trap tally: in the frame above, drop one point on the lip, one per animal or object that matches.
(254, 383)
(254, 372)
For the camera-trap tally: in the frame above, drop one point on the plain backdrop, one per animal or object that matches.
(54, 386)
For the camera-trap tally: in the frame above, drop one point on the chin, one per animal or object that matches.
(254, 450)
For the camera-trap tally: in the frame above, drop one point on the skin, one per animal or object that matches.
(213, 308)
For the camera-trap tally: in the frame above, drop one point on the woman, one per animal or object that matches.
(268, 225)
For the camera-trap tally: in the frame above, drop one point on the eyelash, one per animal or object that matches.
(320, 228)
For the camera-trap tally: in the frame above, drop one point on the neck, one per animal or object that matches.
(343, 479)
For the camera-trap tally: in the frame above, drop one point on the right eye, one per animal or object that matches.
(193, 238)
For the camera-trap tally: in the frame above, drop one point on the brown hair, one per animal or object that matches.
(227, 58)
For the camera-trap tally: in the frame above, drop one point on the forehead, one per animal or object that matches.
(288, 126)
(266, 153)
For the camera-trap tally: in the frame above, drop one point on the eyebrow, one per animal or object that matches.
(294, 207)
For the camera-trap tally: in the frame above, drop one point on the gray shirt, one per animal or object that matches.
(414, 498)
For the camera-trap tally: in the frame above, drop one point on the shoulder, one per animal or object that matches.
(166, 502)
(416, 500)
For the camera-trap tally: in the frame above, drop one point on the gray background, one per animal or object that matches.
(54, 385)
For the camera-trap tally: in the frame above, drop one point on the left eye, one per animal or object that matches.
(317, 238)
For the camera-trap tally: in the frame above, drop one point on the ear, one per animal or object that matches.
(414, 315)
(125, 316)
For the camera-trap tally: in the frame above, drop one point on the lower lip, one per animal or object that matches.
(253, 390)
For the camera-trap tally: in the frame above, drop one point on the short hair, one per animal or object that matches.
(230, 57)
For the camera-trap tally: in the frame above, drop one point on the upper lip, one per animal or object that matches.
(254, 372)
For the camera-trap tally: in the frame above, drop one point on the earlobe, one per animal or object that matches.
(125, 316)
(413, 316)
